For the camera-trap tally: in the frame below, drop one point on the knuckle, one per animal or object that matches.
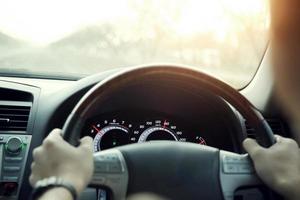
(48, 143)
(36, 153)
(56, 130)
(32, 180)
(35, 168)
(32, 166)
(289, 141)
(257, 153)
(87, 149)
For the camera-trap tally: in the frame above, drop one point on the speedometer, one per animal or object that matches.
(157, 133)
(159, 130)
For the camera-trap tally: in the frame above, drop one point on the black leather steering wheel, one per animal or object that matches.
(173, 169)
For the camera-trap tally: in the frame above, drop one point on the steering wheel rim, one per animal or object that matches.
(264, 134)
(171, 74)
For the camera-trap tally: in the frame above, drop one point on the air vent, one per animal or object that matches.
(14, 118)
(275, 124)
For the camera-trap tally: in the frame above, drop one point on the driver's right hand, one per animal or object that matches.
(277, 166)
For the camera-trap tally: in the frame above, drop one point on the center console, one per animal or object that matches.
(17, 113)
(13, 154)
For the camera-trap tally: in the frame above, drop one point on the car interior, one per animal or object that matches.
(174, 128)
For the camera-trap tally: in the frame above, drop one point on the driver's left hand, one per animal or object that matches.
(56, 157)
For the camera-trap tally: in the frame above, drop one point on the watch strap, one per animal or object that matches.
(44, 185)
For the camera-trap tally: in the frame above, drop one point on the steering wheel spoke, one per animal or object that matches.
(236, 171)
(110, 171)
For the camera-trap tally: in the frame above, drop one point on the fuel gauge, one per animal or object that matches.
(200, 140)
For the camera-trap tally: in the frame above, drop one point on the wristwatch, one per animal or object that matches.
(44, 185)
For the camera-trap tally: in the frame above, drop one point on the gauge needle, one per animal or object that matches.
(94, 127)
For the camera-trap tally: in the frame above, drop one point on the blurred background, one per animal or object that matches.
(227, 38)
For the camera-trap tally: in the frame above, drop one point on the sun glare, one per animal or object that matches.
(212, 16)
(41, 21)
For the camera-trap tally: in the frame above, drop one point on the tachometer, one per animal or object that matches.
(110, 134)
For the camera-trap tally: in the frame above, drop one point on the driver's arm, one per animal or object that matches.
(55, 157)
(285, 48)
(278, 166)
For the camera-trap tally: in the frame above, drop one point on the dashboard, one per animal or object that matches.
(121, 128)
(203, 119)
(131, 116)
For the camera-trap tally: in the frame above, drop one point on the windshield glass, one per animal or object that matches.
(227, 38)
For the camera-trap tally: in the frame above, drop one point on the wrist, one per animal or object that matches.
(43, 187)
(56, 193)
(78, 183)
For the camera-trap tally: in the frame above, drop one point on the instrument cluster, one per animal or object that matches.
(114, 130)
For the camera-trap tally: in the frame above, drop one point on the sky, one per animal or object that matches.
(44, 21)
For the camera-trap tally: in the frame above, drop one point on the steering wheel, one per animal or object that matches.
(175, 170)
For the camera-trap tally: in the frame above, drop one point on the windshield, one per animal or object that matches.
(227, 38)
